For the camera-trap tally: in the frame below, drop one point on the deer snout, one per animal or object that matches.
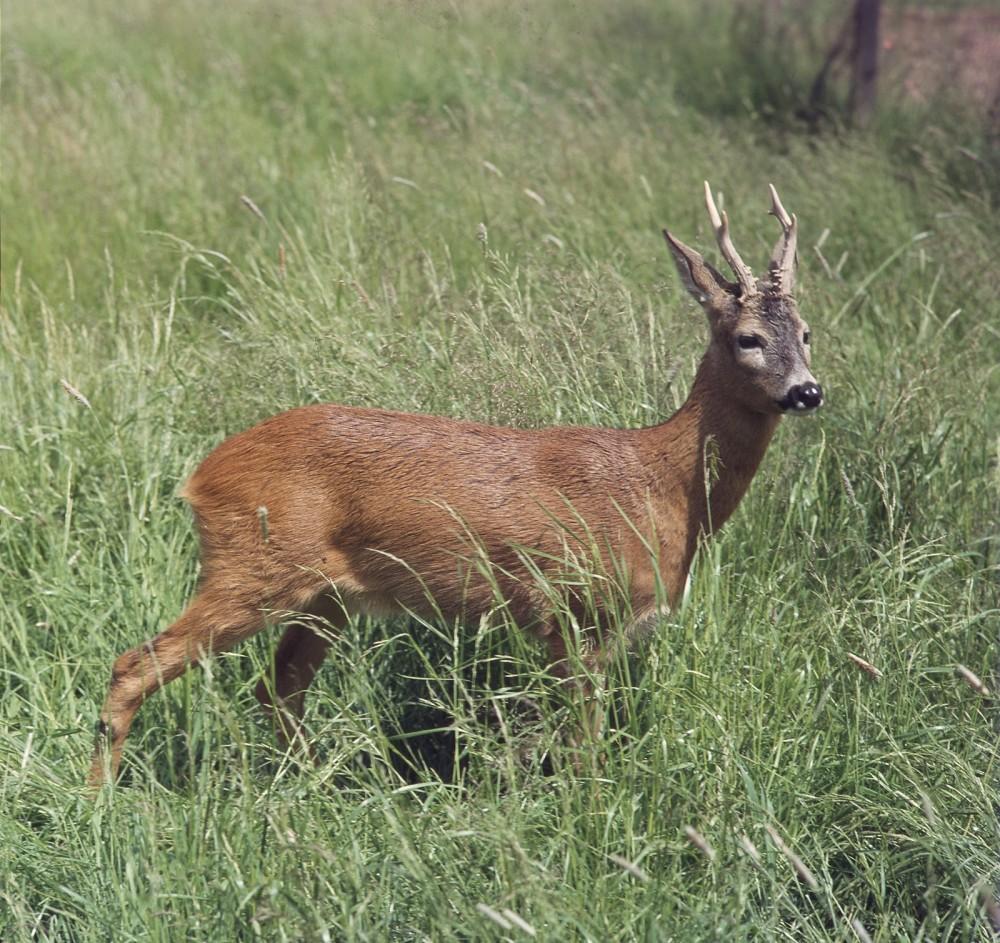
(803, 397)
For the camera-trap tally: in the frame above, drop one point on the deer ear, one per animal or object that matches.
(707, 286)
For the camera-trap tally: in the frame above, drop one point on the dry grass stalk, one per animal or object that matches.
(75, 393)
(866, 666)
(859, 928)
(9, 513)
(928, 807)
(974, 681)
(518, 921)
(490, 914)
(362, 294)
(253, 207)
(700, 842)
(751, 849)
(629, 866)
(798, 865)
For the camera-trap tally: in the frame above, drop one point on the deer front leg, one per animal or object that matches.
(585, 676)
(297, 659)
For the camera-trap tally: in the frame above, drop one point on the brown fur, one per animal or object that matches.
(376, 511)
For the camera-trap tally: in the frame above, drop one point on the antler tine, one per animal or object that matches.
(777, 209)
(782, 264)
(720, 223)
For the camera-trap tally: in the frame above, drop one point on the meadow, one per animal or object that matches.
(215, 212)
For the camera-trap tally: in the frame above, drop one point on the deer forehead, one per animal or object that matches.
(774, 315)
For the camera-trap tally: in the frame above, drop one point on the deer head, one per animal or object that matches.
(760, 343)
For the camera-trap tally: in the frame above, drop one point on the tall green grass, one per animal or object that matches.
(373, 142)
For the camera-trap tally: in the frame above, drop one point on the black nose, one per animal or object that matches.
(805, 396)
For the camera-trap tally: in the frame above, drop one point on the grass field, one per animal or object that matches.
(372, 143)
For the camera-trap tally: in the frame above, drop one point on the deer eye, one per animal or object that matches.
(806, 337)
(749, 341)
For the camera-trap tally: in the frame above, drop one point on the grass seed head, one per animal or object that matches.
(798, 865)
(700, 842)
(866, 666)
(75, 393)
(629, 866)
(490, 914)
(974, 681)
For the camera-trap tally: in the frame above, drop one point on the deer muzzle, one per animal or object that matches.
(802, 398)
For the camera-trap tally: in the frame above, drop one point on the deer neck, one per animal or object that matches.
(703, 458)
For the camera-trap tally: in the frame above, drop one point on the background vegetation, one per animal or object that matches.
(214, 212)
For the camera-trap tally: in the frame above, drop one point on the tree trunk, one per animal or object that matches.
(864, 60)
(856, 42)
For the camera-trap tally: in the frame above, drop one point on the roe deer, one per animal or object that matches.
(331, 510)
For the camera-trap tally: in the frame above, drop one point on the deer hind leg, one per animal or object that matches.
(296, 660)
(212, 622)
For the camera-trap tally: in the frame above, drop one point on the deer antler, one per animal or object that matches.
(748, 284)
(782, 264)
